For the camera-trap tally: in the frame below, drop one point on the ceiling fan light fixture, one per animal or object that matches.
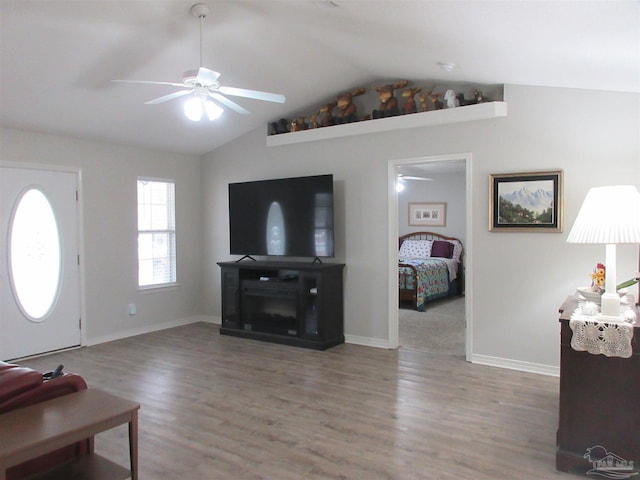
(196, 107)
(193, 109)
(212, 110)
(202, 87)
(446, 66)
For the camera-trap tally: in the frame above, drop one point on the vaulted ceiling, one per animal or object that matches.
(58, 57)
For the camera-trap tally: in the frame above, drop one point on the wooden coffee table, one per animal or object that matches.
(32, 431)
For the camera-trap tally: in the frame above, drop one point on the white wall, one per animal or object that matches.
(109, 174)
(445, 187)
(519, 279)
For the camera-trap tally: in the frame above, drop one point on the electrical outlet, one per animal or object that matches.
(132, 309)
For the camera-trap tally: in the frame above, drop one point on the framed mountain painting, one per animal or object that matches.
(526, 201)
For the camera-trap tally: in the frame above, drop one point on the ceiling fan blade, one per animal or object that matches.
(228, 103)
(166, 98)
(150, 82)
(409, 177)
(243, 92)
(206, 76)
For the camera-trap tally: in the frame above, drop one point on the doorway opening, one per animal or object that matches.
(433, 175)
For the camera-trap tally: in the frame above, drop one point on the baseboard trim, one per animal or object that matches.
(366, 341)
(516, 365)
(151, 328)
(211, 319)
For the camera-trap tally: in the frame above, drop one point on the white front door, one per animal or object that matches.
(39, 272)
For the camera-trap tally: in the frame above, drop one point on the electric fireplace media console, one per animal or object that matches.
(292, 303)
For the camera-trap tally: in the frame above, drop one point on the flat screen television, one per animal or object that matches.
(290, 217)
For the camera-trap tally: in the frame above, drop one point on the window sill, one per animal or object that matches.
(158, 288)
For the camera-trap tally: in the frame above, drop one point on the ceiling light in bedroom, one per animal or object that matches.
(400, 184)
(609, 215)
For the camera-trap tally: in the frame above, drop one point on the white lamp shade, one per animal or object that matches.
(608, 215)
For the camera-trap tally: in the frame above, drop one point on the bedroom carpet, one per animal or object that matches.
(439, 329)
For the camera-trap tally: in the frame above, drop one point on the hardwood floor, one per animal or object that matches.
(218, 407)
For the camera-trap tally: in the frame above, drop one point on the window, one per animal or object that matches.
(35, 255)
(156, 233)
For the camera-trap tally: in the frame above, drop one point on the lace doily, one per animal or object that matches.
(607, 338)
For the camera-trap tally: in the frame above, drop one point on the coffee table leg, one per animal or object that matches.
(133, 444)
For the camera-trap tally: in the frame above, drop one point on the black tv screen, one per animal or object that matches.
(283, 217)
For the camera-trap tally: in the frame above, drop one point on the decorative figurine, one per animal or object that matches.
(598, 276)
(424, 99)
(298, 124)
(346, 107)
(435, 99)
(281, 126)
(326, 114)
(410, 104)
(479, 97)
(451, 99)
(313, 120)
(388, 103)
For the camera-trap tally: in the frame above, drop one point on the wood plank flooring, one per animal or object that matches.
(218, 407)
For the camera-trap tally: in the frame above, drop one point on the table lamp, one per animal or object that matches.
(609, 215)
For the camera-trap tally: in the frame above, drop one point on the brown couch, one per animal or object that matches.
(20, 387)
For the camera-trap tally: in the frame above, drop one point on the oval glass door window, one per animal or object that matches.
(34, 253)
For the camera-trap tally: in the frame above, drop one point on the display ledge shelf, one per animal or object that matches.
(469, 113)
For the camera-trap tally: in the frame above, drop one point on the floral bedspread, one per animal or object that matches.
(433, 279)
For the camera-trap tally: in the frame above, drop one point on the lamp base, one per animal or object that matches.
(610, 304)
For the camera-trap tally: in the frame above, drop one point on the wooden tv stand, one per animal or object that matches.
(292, 303)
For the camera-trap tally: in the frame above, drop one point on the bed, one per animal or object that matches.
(429, 268)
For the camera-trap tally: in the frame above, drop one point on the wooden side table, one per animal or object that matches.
(32, 431)
(598, 403)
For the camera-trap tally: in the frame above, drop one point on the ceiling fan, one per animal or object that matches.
(203, 85)
(400, 184)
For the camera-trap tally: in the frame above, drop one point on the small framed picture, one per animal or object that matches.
(526, 202)
(428, 214)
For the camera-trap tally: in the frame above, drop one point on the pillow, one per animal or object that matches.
(415, 249)
(457, 251)
(442, 248)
